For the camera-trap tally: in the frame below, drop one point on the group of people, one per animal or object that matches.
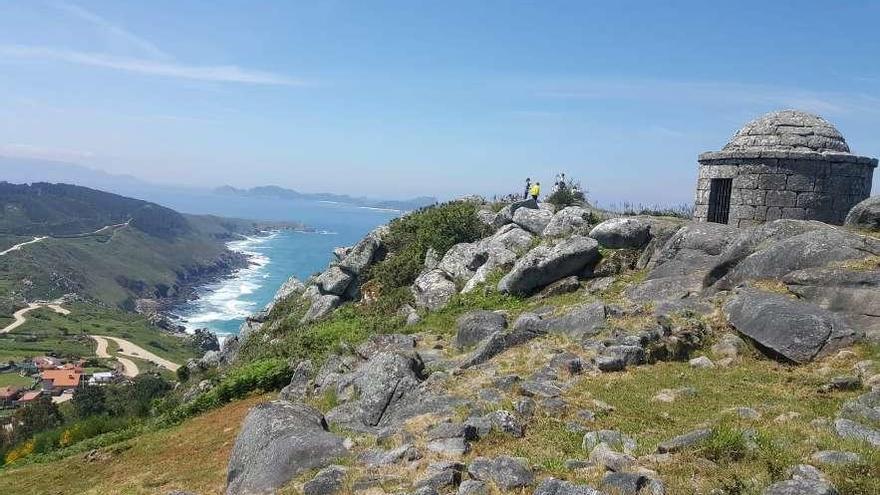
(534, 190)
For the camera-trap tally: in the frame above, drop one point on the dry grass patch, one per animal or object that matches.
(191, 457)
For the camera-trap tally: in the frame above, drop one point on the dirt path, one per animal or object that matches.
(127, 348)
(35, 240)
(22, 244)
(20, 319)
(129, 368)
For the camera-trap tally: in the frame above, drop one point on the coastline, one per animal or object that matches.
(193, 285)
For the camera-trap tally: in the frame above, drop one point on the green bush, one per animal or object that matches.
(439, 227)
(569, 195)
(263, 375)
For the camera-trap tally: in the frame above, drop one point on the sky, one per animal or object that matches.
(444, 98)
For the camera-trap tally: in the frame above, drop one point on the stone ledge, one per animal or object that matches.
(711, 156)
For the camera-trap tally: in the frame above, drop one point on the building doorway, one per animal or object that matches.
(719, 200)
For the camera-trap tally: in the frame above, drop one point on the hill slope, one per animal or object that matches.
(106, 247)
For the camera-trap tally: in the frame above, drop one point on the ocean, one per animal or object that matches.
(222, 306)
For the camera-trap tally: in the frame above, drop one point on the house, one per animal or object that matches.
(29, 397)
(102, 377)
(8, 395)
(77, 367)
(59, 380)
(46, 362)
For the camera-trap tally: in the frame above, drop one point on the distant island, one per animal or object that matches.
(283, 193)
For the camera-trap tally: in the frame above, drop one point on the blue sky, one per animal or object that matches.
(408, 98)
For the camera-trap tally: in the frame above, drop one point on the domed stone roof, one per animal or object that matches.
(788, 130)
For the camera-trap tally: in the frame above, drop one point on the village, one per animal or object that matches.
(52, 377)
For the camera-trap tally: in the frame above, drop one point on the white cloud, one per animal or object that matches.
(218, 73)
(115, 30)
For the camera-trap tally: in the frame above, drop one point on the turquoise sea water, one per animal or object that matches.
(223, 306)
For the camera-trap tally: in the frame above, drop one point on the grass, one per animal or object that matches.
(154, 463)
(15, 380)
(772, 389)
(46, 331)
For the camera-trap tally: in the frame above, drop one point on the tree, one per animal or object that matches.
(89, 401)
(34, 417)
(183, 374)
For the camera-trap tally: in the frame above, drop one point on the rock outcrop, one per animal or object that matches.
(278, 441)
(796, 330)
(545, 264)
(865, 215)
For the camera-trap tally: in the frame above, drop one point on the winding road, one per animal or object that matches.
(129, 368)
(35, 240)
(20, 319)
(22, 244)
(130, 349)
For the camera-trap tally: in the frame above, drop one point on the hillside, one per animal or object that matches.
(282, 193)
(105, 247)
(509, 349)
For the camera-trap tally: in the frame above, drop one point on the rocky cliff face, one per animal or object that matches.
(595, 314)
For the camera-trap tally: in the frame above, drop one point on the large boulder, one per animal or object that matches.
(838, 289)
(505, 215)
(581, 321)
(462, 260)
(748, 241)
(535, 221)
(321, 306)
(622, 233)
(795, 330)
(499, 251)
(567, 221)
(510, 237)
(365, 252)
(500, 341)
(693, 248)
(205, 340)
(278, 441)
(433, 289)
(290, 287)
(814, 248)
(675, 287)
(473, 327)
(506, 472)
(388, 378)
(334, 280)
(865, 215)
(545, 264)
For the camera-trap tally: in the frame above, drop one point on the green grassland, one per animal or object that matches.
(46, 331)
(15, 380)
(95, 266)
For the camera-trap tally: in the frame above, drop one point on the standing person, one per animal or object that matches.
(535, 191)
(528, 188)
(562, 181)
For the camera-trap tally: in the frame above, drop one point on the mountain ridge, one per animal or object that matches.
(279, 192)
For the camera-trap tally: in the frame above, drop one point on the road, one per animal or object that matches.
(20, 319)
(129, 349)
(22, 244)
(35, 240)
(129, 368)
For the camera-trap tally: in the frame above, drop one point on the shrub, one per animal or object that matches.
(409, 237)
(569, 195)
(182, 374)
(88, 400)
(263, 375)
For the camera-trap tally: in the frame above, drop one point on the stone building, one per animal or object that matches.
(786, 164)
